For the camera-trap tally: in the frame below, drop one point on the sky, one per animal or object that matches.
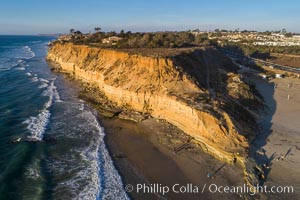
(59, 16)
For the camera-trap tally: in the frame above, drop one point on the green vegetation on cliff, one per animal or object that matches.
(141, 40)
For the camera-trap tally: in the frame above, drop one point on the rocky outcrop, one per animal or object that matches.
(165, 88)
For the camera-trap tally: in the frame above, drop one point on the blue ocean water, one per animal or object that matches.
(59, 150)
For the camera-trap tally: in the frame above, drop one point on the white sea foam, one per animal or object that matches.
(37, 125)
(34, 79)
(43, 80)
(109, 177)
(7, 64)
(111, 184)
(32, 173)
(81, 107)
(24, 52)
(43, 85)
(28, 73)
(21, 65)
(52, 90)
(30, 52)
(20, 68)
(57, 97)
(94, 175)
(34, 42)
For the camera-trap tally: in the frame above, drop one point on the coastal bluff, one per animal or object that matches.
(177, 88)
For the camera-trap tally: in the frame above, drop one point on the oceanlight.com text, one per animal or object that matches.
(211, 188)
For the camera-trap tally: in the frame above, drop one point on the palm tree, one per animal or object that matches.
(97, 29)
(72, 31)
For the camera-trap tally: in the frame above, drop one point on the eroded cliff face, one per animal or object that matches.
(161, 87)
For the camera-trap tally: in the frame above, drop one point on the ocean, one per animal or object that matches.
(51, 143)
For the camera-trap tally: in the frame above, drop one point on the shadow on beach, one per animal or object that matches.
(257, 151)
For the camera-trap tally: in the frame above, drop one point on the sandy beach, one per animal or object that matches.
(143, 153)
(279, 139)
(150, 100)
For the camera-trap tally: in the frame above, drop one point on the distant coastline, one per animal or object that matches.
(50, 34)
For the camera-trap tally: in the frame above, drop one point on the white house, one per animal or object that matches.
(112, 40)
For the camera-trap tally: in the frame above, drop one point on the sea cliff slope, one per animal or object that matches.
(182, 89)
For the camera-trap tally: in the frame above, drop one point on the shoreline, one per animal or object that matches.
(142, 152)
(142, 147)
(185, 106)
(141, 157)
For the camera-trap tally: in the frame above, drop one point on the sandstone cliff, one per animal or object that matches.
(181, 89)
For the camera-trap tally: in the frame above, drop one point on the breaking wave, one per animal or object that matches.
(37, 124)
(93, 173)
(7, 63)
(25, 53)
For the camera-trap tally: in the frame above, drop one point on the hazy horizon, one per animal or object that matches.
(39, 17)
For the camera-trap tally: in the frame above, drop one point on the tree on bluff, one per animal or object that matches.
(97, 29)
(72, 31)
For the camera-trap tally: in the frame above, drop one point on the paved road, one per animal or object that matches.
(251, 59)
